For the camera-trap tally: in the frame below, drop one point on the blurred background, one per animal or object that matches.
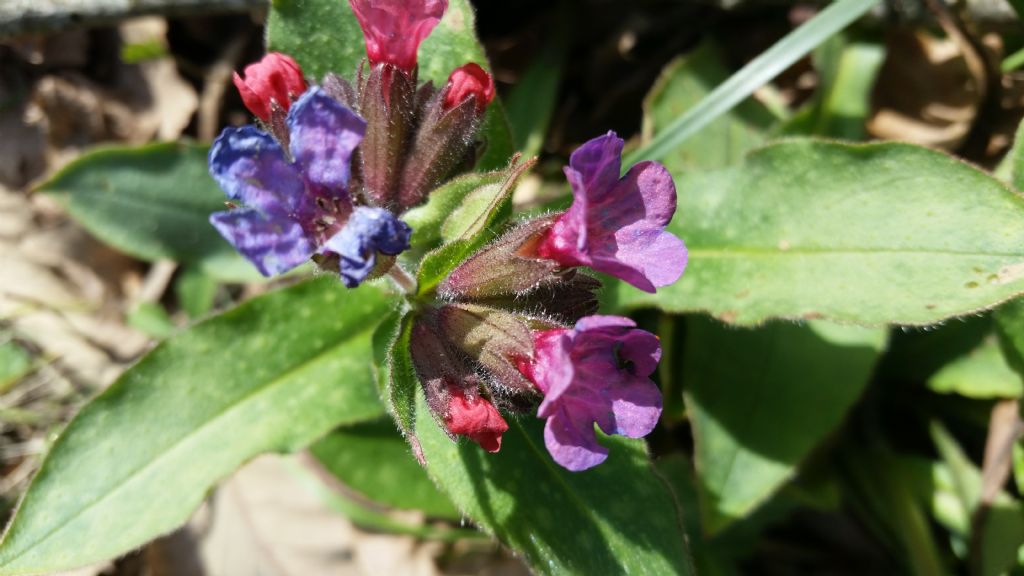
(74, 311)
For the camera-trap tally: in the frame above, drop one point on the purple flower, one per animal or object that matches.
(296, 204)
(617, 225)
(597, 372)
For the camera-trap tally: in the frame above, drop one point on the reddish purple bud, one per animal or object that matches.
(617, 225)
(506, 267)
(394, 29)
(452, 388)
(469, 81)
(596, 373)
(276, 79)
(475, 418)
(498, 341)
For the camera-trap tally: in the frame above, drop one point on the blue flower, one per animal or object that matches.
(294, 204)
(368, 231)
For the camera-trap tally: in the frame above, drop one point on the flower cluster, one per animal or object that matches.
(331, 169)
(514, 325)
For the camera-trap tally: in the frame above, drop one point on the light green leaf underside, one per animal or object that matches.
(616, 518)
(869, 234)
(761, 399)
(983, 373)
(271, 375)
(152, 202)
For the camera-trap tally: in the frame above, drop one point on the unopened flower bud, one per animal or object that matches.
(469, 81)
(452, 388)
(499, 341)
(275, 80)
(475, 418)
(388, 104)
(506, 267)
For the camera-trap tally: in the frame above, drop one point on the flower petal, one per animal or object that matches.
(273, 245)
(250, 167)
(367, 232)
(617, 226)
(573, 448)
(324, 133)
(596, 373)
(597, 165)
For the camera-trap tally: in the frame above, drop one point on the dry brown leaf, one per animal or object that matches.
(264, 521)
(928, 91)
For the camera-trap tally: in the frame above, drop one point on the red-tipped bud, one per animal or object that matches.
(277, 78)
(469, 81)
(394, 29)
(475, 418)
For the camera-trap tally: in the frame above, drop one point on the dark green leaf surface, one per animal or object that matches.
(374, 460)
(271, 375)
(1009, 320)
(616, 518)
(324, 36)
(402, 383)
(151, 202)
(760, 400)
(869, 234)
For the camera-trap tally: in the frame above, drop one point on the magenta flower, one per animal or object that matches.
(597, 372)
(394, 29)
(617, 225)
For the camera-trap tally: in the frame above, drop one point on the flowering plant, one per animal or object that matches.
(621, 356)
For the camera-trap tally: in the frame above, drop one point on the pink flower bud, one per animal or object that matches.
(475, 418)
(469, 80)
(394, 29)
(275, 78)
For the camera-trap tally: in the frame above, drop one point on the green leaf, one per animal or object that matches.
(683, 84)
(983, 374)
(401, 382)
(616, 518)
(1009, 320)
(842, 103)
(428, 219)
(374, 460)
(152, 202)
(196, 292)
(15, 362)
(761, 400)
(869, 234)
(755, 74)
(273, 374)
(152, 319)
(531, 101)
(1002, 531)
(373, 519)
(324, 36)
(474, 223)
